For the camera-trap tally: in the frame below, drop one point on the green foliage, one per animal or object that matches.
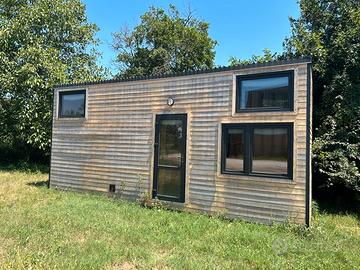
(42, 228)
(42, 43)
(329, 31)
(336, 149)
(164, 42)
(266, 57)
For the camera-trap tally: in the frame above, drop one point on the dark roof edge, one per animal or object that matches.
(306, 59)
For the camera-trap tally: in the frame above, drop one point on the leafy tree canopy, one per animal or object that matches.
(164, 42)
(266, 57)
(42, 43)
(329, 31)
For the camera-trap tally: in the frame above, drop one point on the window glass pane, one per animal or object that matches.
(170, 142)
(265, 93)
(72, 105)
(270, 150)
(234, 159)
(169, 182)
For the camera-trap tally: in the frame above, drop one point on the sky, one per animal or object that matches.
(242, 28)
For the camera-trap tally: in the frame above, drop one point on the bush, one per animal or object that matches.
(336, 149)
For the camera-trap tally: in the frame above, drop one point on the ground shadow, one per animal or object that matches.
(340, 203)
(25, 167)
(40, 183)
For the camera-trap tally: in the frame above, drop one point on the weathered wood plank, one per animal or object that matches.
(115, 143)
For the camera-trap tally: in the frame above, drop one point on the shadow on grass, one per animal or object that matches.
(41, 183)
(338, 202)
(331, 207)
(24, 167)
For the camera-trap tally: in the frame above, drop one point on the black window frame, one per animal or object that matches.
(72, 92)
(286, 73)
(248, 145)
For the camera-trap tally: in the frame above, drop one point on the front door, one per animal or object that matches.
(169, 157)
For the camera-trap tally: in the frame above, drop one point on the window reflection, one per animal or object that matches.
(235, 150)
(270, 150)
(72, 105)
(170, 142)
(265, 93)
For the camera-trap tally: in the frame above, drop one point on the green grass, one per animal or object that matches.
(49, 229)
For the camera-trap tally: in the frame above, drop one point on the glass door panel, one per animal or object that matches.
(169, 167)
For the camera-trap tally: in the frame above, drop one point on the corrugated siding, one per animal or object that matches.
(114, 144)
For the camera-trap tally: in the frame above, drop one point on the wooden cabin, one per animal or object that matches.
(234, 141)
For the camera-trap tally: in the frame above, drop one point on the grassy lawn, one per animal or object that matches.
(48, 229)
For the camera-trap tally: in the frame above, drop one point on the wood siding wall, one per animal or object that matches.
(114, 144)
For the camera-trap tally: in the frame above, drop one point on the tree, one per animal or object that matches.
(164, 42)
(266, 57)
(329, 31)
(42, 43)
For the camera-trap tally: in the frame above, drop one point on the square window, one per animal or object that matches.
(265, 92)
(72, 104)
(257, 149)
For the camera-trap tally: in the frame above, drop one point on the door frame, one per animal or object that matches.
(158, 118)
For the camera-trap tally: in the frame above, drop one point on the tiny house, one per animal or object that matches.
(231, 140)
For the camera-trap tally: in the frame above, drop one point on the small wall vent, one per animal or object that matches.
(111, 188)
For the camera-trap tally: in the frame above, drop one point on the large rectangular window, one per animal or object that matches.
(257, 149)
(265, 92)
(72, 104)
